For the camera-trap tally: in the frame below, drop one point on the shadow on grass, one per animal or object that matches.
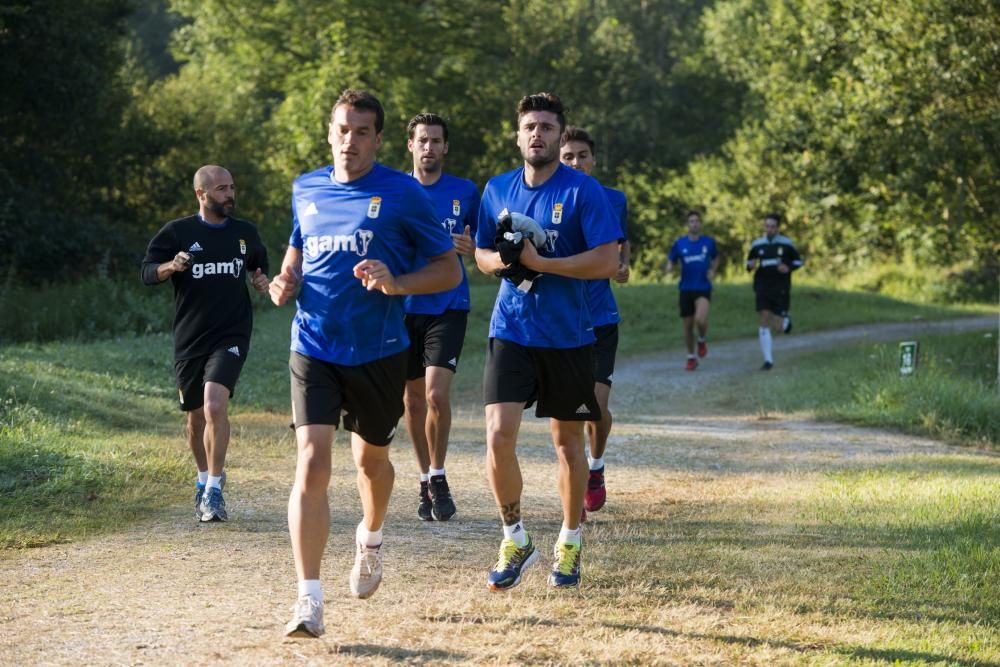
(892, 656)
(396, 653)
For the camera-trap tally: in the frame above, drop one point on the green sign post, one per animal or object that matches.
(908, 357)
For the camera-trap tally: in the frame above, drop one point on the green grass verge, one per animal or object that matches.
(952, 396)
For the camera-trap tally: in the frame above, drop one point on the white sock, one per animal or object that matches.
(572, 536)
(368, 538)
(214, 482)
(436, 472)
(202, 477)
(424, 477)
(595, 464)
(312, 588)
(701, 339)
(765, 343)
(517, 533)
(691, 356)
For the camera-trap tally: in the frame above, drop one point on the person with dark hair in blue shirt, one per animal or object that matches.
(436, 322)
(545, 229)
(358, 229)
(577, 151)
(699, 260)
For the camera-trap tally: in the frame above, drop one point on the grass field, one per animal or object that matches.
(744, 535)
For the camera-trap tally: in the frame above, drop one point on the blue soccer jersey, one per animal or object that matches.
(456, 204)
(603, 307)
(574, 211)
(695, 258)
(384, 215)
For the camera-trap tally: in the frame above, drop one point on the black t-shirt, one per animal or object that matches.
(211, 299)
(772, 252)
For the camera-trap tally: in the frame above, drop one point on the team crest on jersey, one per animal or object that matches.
(557, 211)
(374, 206)
(456, 207)
(243, 247)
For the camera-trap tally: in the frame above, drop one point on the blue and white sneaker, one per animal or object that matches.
(566, 566)
(213, 506)
(199, 492)
(511, 564)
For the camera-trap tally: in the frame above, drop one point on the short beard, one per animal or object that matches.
(432, 167)
(222, 209)
(543, 159)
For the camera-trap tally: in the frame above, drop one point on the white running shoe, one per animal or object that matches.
(307, 618)
(366, 574)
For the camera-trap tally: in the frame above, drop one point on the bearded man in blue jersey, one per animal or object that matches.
(436, 322)
(578, 152)
(541, 332)
(358, 229)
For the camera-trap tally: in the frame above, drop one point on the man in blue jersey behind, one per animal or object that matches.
(357, 231)
(436, 322)
(577, 151)
(541, 336)
(699, 260)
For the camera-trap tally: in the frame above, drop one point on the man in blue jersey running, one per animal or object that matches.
(436, 322)
(577, 151)
(541, 335)
(357, 231)
(699, 260)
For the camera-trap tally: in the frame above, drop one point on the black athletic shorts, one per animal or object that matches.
(560, 380)
(369, 395)
(775, 300)
(435, 340)
(223, 366)
(605, 350)
(687, 300)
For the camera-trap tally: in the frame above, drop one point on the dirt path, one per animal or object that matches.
(169, 591)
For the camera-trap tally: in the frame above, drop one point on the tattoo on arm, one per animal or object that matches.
(511, 513)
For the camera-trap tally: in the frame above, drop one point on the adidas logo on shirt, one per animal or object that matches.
(311, 209)
(195, 247)
(235, 350)
(583, 409)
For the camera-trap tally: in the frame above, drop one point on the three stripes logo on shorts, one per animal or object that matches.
(235, 350)
(583, 409)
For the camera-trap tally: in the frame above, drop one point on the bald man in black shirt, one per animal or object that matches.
(208, 257)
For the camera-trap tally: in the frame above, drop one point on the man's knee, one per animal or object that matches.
(437, 400)
(414, 401)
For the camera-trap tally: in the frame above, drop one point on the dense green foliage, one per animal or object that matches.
(874, 127)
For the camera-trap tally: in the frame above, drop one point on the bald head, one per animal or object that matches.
(206, 176)
(216, 192)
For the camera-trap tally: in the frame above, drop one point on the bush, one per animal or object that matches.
(85, 310)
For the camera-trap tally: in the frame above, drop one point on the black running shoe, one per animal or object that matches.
(442, 506)
(767, 366)
(424, 508)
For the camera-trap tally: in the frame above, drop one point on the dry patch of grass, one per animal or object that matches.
(724, 541)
